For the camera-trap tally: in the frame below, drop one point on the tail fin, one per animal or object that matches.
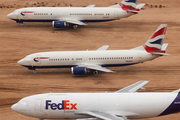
(131, 6)
(155, 44)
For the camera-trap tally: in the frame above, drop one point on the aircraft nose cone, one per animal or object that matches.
(20, 62)
(14, 107)
(9, 15)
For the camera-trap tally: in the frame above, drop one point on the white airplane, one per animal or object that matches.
(74, 16)
(81, 62)
(124, 104)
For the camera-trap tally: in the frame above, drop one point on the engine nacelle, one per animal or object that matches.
(78, 70)
(59, 24)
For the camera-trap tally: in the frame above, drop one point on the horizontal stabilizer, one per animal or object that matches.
(134, 87)
(133, 11)
(140, 6)
(159, 53)
(105, 47)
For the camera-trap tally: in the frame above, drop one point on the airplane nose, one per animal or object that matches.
(20, 62)
(14, 107)
(10, 15)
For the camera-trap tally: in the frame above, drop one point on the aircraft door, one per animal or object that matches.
(139, 57)
(38, 109)
(59, 15)
(116, 14)
(38, 104)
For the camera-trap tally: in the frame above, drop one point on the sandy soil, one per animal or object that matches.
(16, 42)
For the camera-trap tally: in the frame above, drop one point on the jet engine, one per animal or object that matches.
(59, 24)
(78, 70)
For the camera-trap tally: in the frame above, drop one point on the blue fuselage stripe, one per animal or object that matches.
(69, 66)
(24, 20)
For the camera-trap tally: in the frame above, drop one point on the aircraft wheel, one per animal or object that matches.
(34, 71)
(75, 26)
(22, 24)
(95, 72)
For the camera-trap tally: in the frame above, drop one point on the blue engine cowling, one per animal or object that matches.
(78, 70)
(59, 24)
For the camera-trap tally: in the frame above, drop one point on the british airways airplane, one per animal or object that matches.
(74, 16)
(82, 62)
(124, 104)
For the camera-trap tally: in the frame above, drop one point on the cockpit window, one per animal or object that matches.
(27, 58)
(22, 103)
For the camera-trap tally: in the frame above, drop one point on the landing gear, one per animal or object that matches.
(34, 71)
(75, 26)
(95, 72)
(22, 24)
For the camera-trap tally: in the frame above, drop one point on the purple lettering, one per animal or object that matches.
(47, 104)
(53, 106)
(60, 106)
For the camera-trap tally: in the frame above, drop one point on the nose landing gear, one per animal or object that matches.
(35, 71)
(22, 24)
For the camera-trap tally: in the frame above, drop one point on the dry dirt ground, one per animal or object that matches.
(16, 42)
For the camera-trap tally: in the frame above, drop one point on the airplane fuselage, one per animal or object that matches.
(66, 59)
(72, 105)
(83, 14)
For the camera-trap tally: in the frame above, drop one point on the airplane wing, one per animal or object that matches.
(134, 87)
(103, 115)
(95, 67)
(105, 47)
(77, 22)
(72, 21)
(90, 6)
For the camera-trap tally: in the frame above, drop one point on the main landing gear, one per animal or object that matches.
(75, 26)
(95, 72)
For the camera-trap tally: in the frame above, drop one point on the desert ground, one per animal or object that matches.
(16, 42)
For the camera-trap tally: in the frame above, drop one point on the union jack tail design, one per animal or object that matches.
(154, 43)
(130, 6)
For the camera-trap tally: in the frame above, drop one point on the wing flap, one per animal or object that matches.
(134, 87)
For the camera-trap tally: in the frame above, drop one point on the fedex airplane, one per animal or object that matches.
(82, 62)
(124, 104)
(74, 16)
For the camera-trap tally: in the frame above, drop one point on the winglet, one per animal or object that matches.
(134, 87)
(105, 47)
(90, 6)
